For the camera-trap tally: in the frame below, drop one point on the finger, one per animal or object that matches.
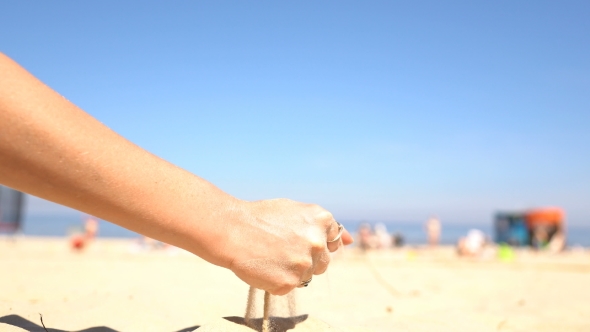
(347, 238)
(282, 289)
(333, 246)
(322, 262)
(318, 249)
(306, 279)
(333, 232)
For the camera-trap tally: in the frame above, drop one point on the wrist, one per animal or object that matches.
(214, 238)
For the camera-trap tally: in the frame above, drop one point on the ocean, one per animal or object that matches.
(413, 232)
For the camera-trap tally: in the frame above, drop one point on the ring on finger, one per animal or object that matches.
(306, 282)
(340, 231)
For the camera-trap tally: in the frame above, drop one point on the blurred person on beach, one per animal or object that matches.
(540, 237)
(80, 239)
(542, 240)
(433, 230)
(366, 238)
(91, 228)
(383, 239)
(52, 149)
(398, 240)
(557, 243)
(473, 244)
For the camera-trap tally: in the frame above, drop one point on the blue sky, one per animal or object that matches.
(387, 111)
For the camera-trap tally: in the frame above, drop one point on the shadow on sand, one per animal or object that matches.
(27, 325)
(280, 324)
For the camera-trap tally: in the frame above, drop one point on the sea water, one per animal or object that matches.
(415, 234)
(412, 232)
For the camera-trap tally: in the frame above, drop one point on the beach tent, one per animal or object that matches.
(11, 205)
(536, 227)
(511, 228)
(551, 217)
(544, 224)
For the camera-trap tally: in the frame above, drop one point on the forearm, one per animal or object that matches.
(52, 149)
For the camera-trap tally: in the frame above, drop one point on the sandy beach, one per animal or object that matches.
(114, 286)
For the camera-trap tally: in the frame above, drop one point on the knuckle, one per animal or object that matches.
(303, 264)
(294, 282)
(325, 216)
(319, 211)
(314, 206)
(320, 270)
(285, 286)
(289, 284)
(323, 264)
(317, 246)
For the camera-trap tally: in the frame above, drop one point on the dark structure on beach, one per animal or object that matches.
(535, 227)
(11, 210)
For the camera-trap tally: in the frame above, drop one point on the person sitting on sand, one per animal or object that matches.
(80, 240)
(471, 245)
(52, 149)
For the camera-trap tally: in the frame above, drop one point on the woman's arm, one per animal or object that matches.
(52, 149)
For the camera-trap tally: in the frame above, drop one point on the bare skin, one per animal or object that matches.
(52, 149)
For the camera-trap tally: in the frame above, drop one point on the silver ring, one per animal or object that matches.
(340, 231)
(305, 283)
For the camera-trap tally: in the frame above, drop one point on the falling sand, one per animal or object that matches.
(278, 314)
(278, 324)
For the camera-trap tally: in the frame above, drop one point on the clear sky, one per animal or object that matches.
(387, 110)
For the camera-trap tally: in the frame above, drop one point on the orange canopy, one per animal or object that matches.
(546, 216)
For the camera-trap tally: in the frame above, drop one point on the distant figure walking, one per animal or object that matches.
(433, 230)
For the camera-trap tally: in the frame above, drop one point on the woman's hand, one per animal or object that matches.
(279, 243)
(52, 149)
